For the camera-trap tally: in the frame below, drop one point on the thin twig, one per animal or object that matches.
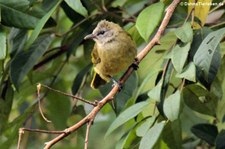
(21, 132)
(39, 103)
(69, 95)
(41, 131)
(87, 134)
(127, 74)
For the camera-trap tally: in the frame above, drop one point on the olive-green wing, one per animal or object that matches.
(94, 56)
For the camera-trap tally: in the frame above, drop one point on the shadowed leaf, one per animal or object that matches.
(207, 132)
(207, 58)
(24, 61)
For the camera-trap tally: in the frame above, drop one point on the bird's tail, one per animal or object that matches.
(97, 81)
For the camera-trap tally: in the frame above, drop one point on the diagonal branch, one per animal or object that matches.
(90, 117)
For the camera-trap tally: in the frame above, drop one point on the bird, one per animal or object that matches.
(113, 52)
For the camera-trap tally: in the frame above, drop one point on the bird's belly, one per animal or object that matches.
(114, 61)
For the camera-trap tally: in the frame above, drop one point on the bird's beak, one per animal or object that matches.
(90, 36)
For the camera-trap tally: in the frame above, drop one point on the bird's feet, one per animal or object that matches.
(135, 64)
(116, 83)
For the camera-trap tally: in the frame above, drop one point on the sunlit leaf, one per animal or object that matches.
(142, 88)
(156, 92)
(128, 114)
(2, 45)
(189, 72)
(130, 139)
(179, 56)
(152, 136)
(77, 6)
(118, 3)
(201, 10)
(185, 33)
(149, 19)
(171, 106)
(143, 128)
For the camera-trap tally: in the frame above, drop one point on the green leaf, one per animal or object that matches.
(128, 114)
(142, 88)
(199, 99)
(179, 56)
(77, 37)
(156, 92)
(199, 36)
(122, 97)
(220, 144)
(189, 117)
(14, 126)
(57, 104)
(118, 3)
(17, 40)
(17, 14)
(143, 128)
(130, 139)
(79, 79)
(2, 45)
(185, 33)
(207, 58)
(70, 13)
(6, 101)
(149, 19)
(39, 26)
(24, 61)
(189, 72)
(171, 106)
(172, 134)
(207, 132)
(77, 6)
(165, 84)
(152, 136)
(127, 92)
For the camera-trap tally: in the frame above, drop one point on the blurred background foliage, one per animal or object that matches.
(175, 99)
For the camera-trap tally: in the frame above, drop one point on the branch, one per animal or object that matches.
(87, 134)
(90, 117)
(69, 95)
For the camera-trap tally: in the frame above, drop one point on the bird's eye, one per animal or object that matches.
(101, 33)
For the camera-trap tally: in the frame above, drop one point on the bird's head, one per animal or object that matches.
(104, 32)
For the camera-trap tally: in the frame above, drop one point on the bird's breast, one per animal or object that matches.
(115, 57)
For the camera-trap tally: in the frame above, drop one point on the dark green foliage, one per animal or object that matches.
(206, 132)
